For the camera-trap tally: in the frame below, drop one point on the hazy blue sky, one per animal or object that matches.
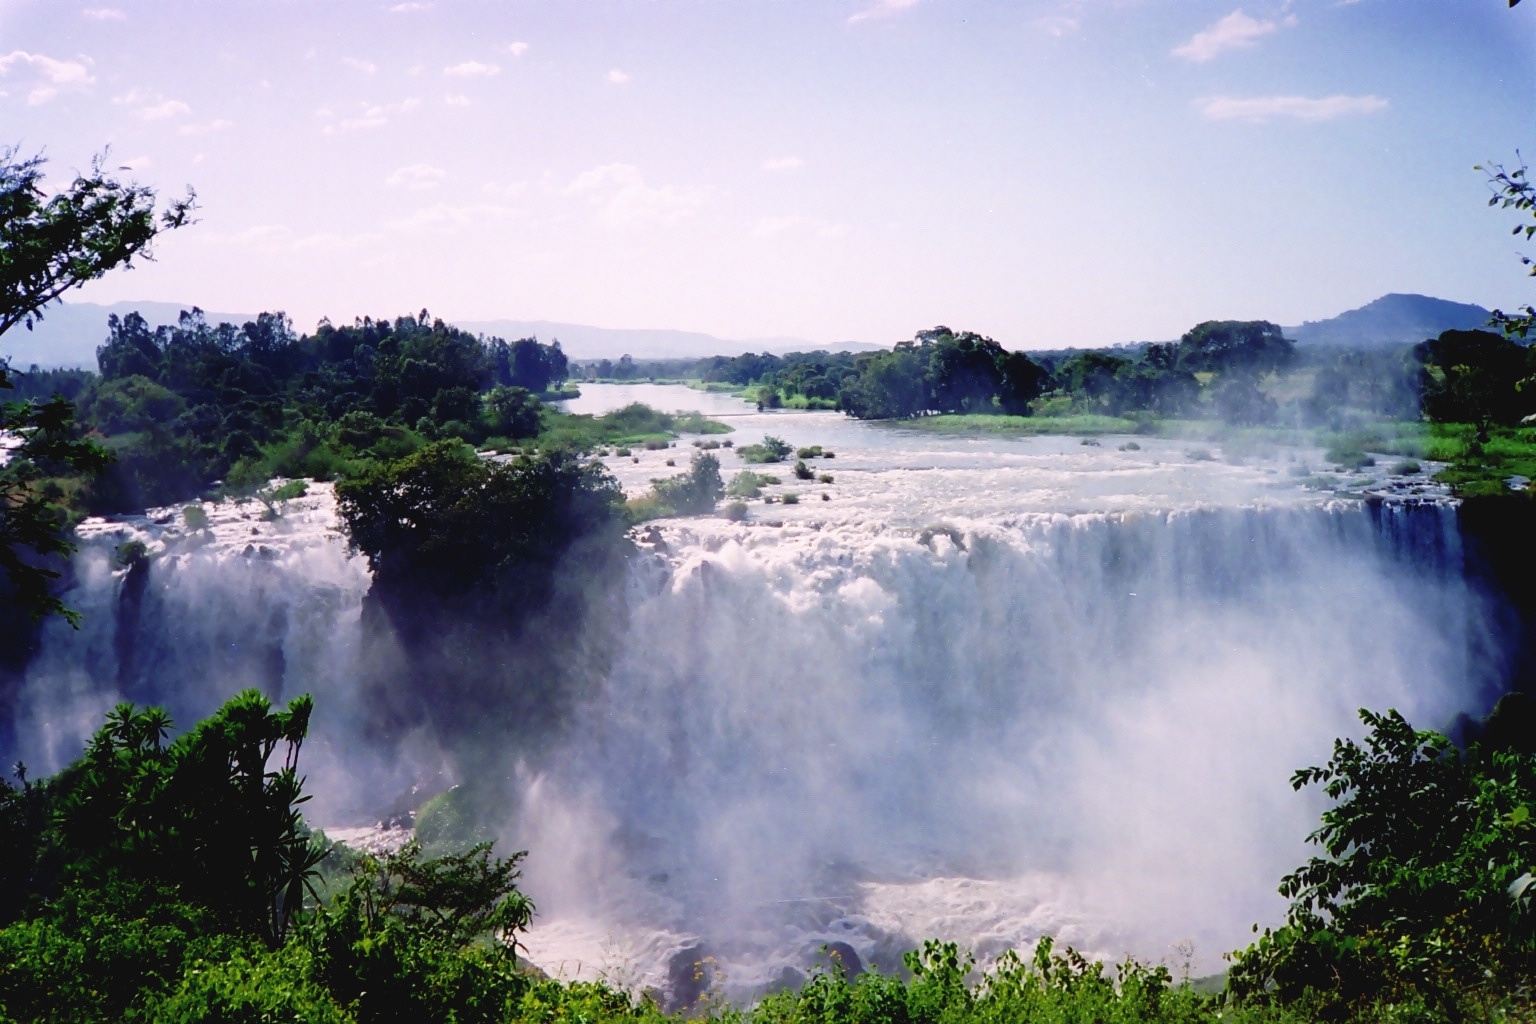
(1043, 172)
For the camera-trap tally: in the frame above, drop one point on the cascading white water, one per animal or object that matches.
(990, 689)
(1076, 725)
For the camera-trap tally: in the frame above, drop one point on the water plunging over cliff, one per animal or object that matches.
(991, 688)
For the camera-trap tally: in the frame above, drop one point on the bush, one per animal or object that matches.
(808, 453)
(1349, 458)
(825, 478)
(790, 498)
(1406, 468)
(772, 449)
(736, 511)
(692, 493)
(195, 517)
(802, 471)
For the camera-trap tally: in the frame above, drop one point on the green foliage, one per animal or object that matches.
(1427, 855)
(1476, 377)
(693, 493)
(450, 822)
(772, 449)
(1348, 457)
(444, 522)
(746, 484)
(195, 517)
(55, 240)
(803, 472)
(31, 523)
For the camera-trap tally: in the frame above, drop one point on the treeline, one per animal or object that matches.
(184, 406)
(1240, 372)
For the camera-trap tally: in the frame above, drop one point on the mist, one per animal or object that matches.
(989, 690)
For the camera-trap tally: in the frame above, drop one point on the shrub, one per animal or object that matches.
(790, 498)
(802, 471)
(695, 492)
(1406, 468)
(736, 511)
(772, 449)
(195, 517)
(622, 452)
(1349, 458)
(825, 478)
(745, 484)
(808, 453)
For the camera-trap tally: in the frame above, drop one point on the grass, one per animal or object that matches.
(1022, 426)
(634, 426)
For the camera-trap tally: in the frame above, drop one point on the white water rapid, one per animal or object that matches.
(989, 689)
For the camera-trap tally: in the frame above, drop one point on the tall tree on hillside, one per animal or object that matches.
(49, 245)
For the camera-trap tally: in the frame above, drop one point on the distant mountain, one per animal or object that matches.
(582, 342)
(1390, 320)
(69, 332)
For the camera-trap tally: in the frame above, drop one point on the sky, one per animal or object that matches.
(1046, 173)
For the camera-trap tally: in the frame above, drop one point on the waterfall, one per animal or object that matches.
(847, 731)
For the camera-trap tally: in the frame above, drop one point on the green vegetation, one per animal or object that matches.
(772, 449)
(748, 484)
(52, 241)
(219, 904)
(693, 493)
(1424, 890)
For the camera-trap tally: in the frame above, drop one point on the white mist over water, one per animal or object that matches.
(991, 689)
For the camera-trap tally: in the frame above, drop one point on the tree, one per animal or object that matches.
(1514, 190)
(1425, 879)
(47, 246)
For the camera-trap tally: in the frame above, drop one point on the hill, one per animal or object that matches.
(1395, 319)
(583, 342)
(70, 331)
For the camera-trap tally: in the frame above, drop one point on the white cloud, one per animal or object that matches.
(472, 69)
(1302, 108)
(767, 227)
(54, 76)
(617, 77)
(418, 177)
(518, 48)
(620, 196)
(104, 14)
(217, 125)
(456, 99)
(783, 163)
(881, 9)
(1057, 25)
(508, 190)
(151, 105)
(367, 67)
(409, 8)
(370, 116)
(165, 109)
(1236, 31)
(443, 215)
